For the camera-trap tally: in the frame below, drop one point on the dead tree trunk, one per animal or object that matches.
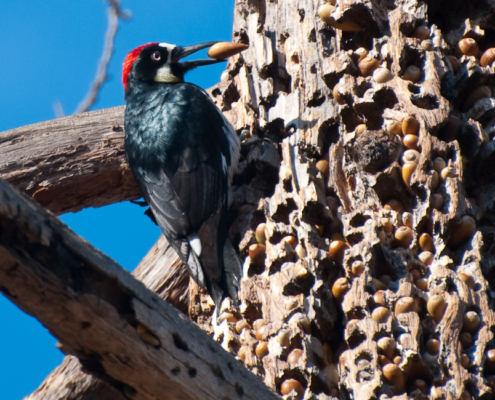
(370, 260)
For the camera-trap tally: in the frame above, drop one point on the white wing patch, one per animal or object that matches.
(195, 243)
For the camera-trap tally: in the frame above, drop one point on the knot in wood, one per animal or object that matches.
(375, 150)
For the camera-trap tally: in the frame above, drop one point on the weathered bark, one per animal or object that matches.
(120, 331)
(162, 272)
(70, 163)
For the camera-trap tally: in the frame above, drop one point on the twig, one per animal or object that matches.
(114, 12)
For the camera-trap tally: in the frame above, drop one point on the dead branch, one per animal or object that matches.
(114, 12)
(121, 332)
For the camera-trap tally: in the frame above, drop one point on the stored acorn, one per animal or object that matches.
(340, 287)
(242, 353)
(383, 360)
(337, 250)
(421, 32)
(467, 279)
(470, 322)
(262, 332)
(387, 346)
(465, 362)
(226, 316)
(289, 239)
(348, 25)
(394, 127)
(379, 299)
(481, 92)
(360, 129)
(405, 305)
(331, 373)
(436, 307)
(257, 253)
(283, 338)
(395, 377)
(422, 284)
(261, 349)
(382, 75)
(381, 315)
(410, 126)
(463, 231)
(260, 233)
(466, 340)
(439, 164)
(222, 50)
(387, 225)
(322, 166)
(361, 53)
(435, 180)
(411, 142)
(467, 47)
(294, 356)
(488, 57)
(448, 172)
(338, 97)
(291, 384)
(395, 205)
(357, 268)
(301, 251)
(432, 346)
(412, 73)
(426, 257)
(426, 243)
(242, 324)
(403, 236)
(368, 65)
(410, 156)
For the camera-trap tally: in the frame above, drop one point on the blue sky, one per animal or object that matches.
(50, 53)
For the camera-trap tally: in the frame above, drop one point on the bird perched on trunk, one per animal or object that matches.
(183, 152)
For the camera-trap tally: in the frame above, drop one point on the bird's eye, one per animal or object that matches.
(156, 56)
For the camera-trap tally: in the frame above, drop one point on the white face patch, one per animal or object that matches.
(164, 74)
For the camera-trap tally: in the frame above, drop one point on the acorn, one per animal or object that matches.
(436, 201)
(426, 257)
(387, 346)
(381, 314)
(257, 253)
(412, 73)
(378, 298)
(422, 284)
(410, 155)
(261, 349)
(463, 231)
(291, 384)
(470, 322)
(394, 127)
(257, 323)
(301, 321)
(382, 360)
(382, 75)
(361, 53)
(223, 50)
(367, 65)
(395, 205)
(416, 274)
(481, 92)
(397, 360)
(294, 356)
(436, 307)
(421, 32)
(242, 353)
(439, 164)
(337, 96)
(331, 373)
(347, 25)
(301, 251)
(410, 126)
(467, 47)
(289, 239)
(454, 63)
(426, 243)
(337, 250)
(432, 346)
(340, 287)
(404, 236)
(387, 225)
(322, 166)
(405, 305)
(411, 142)
(407, 219)
(465, 360)
(435, 180)
(490, 355)
(395, 377)
(360, 129)
(408, 170)
(262, 332)
(226, 316)
(260, 233)
(283, 338)
(421, 385)
(467, 279)
(357, 268)
(488, 57)
(466, 340)
(242, 324)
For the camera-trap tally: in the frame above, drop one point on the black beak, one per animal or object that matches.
(180, 52)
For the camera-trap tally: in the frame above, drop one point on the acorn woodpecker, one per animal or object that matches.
(183, 152)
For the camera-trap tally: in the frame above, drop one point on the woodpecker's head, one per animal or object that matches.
(159, 62)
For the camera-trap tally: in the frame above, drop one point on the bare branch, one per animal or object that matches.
(114, 13)
(120, 331)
